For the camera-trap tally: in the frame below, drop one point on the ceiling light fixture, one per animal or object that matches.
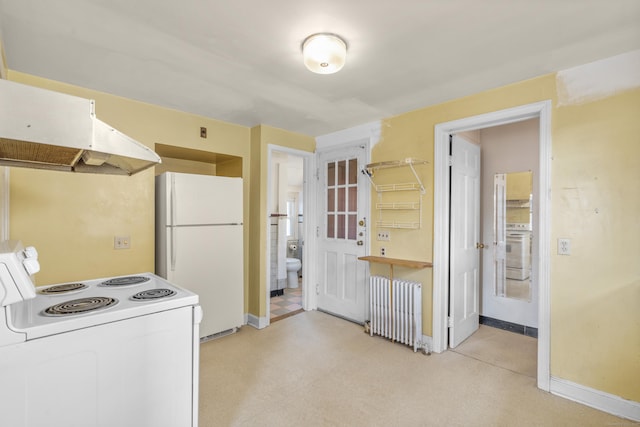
(324, 53)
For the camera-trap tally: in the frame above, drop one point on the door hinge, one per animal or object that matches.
(449, 322)
(318, 231)
(450, 160)
(317, 289)
(317, 174)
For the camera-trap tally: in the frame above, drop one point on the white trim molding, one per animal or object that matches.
(255, 321)
(371, 132)
(542, 110)
(427, 342)
(4, 203)
(597, 399)
(308, 241)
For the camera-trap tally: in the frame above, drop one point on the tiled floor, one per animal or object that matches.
(286, 305)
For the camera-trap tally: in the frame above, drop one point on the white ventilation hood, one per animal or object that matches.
(43, 129)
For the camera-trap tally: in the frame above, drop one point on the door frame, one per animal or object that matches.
(542, 111)
(4, 203)
(308, 205)
(367, 134)
(364, 193)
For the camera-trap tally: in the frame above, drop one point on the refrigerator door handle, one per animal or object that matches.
(173, 208)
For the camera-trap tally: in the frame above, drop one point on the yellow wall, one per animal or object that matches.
(411, 135)
(595, 292)
(73, 218)
(261, 137)
(170, 164)
(519, 185)
(519, 188)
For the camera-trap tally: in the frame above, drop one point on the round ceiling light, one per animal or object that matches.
(324, 53)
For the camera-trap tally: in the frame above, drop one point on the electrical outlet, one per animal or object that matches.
(564, 246)
(121, 242)
(383, 252)
(384, 235)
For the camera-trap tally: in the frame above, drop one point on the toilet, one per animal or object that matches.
(293, 266)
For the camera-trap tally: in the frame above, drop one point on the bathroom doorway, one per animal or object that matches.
(286, 198)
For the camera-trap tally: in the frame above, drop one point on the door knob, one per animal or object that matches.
(479, 245)
(360, 243)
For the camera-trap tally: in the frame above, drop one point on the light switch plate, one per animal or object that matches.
(384, 235)
(121, 242)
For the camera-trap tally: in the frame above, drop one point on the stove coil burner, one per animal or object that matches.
(62, 289)
(79, 306)
(151, 294)
(125, 281)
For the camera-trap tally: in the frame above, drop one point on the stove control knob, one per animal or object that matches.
(31, 265)
(31, 252)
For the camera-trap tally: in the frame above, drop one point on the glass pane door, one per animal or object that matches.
(342, 199)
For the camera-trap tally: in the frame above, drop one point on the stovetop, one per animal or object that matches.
(75, 305)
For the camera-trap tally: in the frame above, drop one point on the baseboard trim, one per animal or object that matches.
(340, 316)
(427, 343)
(509, 326)
(257, 322)
(597, 399)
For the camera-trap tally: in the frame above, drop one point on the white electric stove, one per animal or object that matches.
(120, 351)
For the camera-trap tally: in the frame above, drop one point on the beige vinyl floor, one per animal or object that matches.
(313, 369)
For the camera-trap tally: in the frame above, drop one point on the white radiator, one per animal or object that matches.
(396, 312)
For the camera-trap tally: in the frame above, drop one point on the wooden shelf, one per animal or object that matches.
(396, 261)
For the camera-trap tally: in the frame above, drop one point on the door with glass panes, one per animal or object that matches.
(342, 233)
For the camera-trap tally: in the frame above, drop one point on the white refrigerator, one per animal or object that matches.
(199, 243)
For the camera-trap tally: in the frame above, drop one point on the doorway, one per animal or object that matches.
(287, 230)
(342, 232)
(509, 215)
(442, 183)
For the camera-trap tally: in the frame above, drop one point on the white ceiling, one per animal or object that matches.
(240, 61)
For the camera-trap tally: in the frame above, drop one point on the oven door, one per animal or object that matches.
(133, 372)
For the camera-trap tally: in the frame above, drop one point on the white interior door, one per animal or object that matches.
(464, 298)
(342, 233)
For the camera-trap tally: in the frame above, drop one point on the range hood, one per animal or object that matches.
(43, 129)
